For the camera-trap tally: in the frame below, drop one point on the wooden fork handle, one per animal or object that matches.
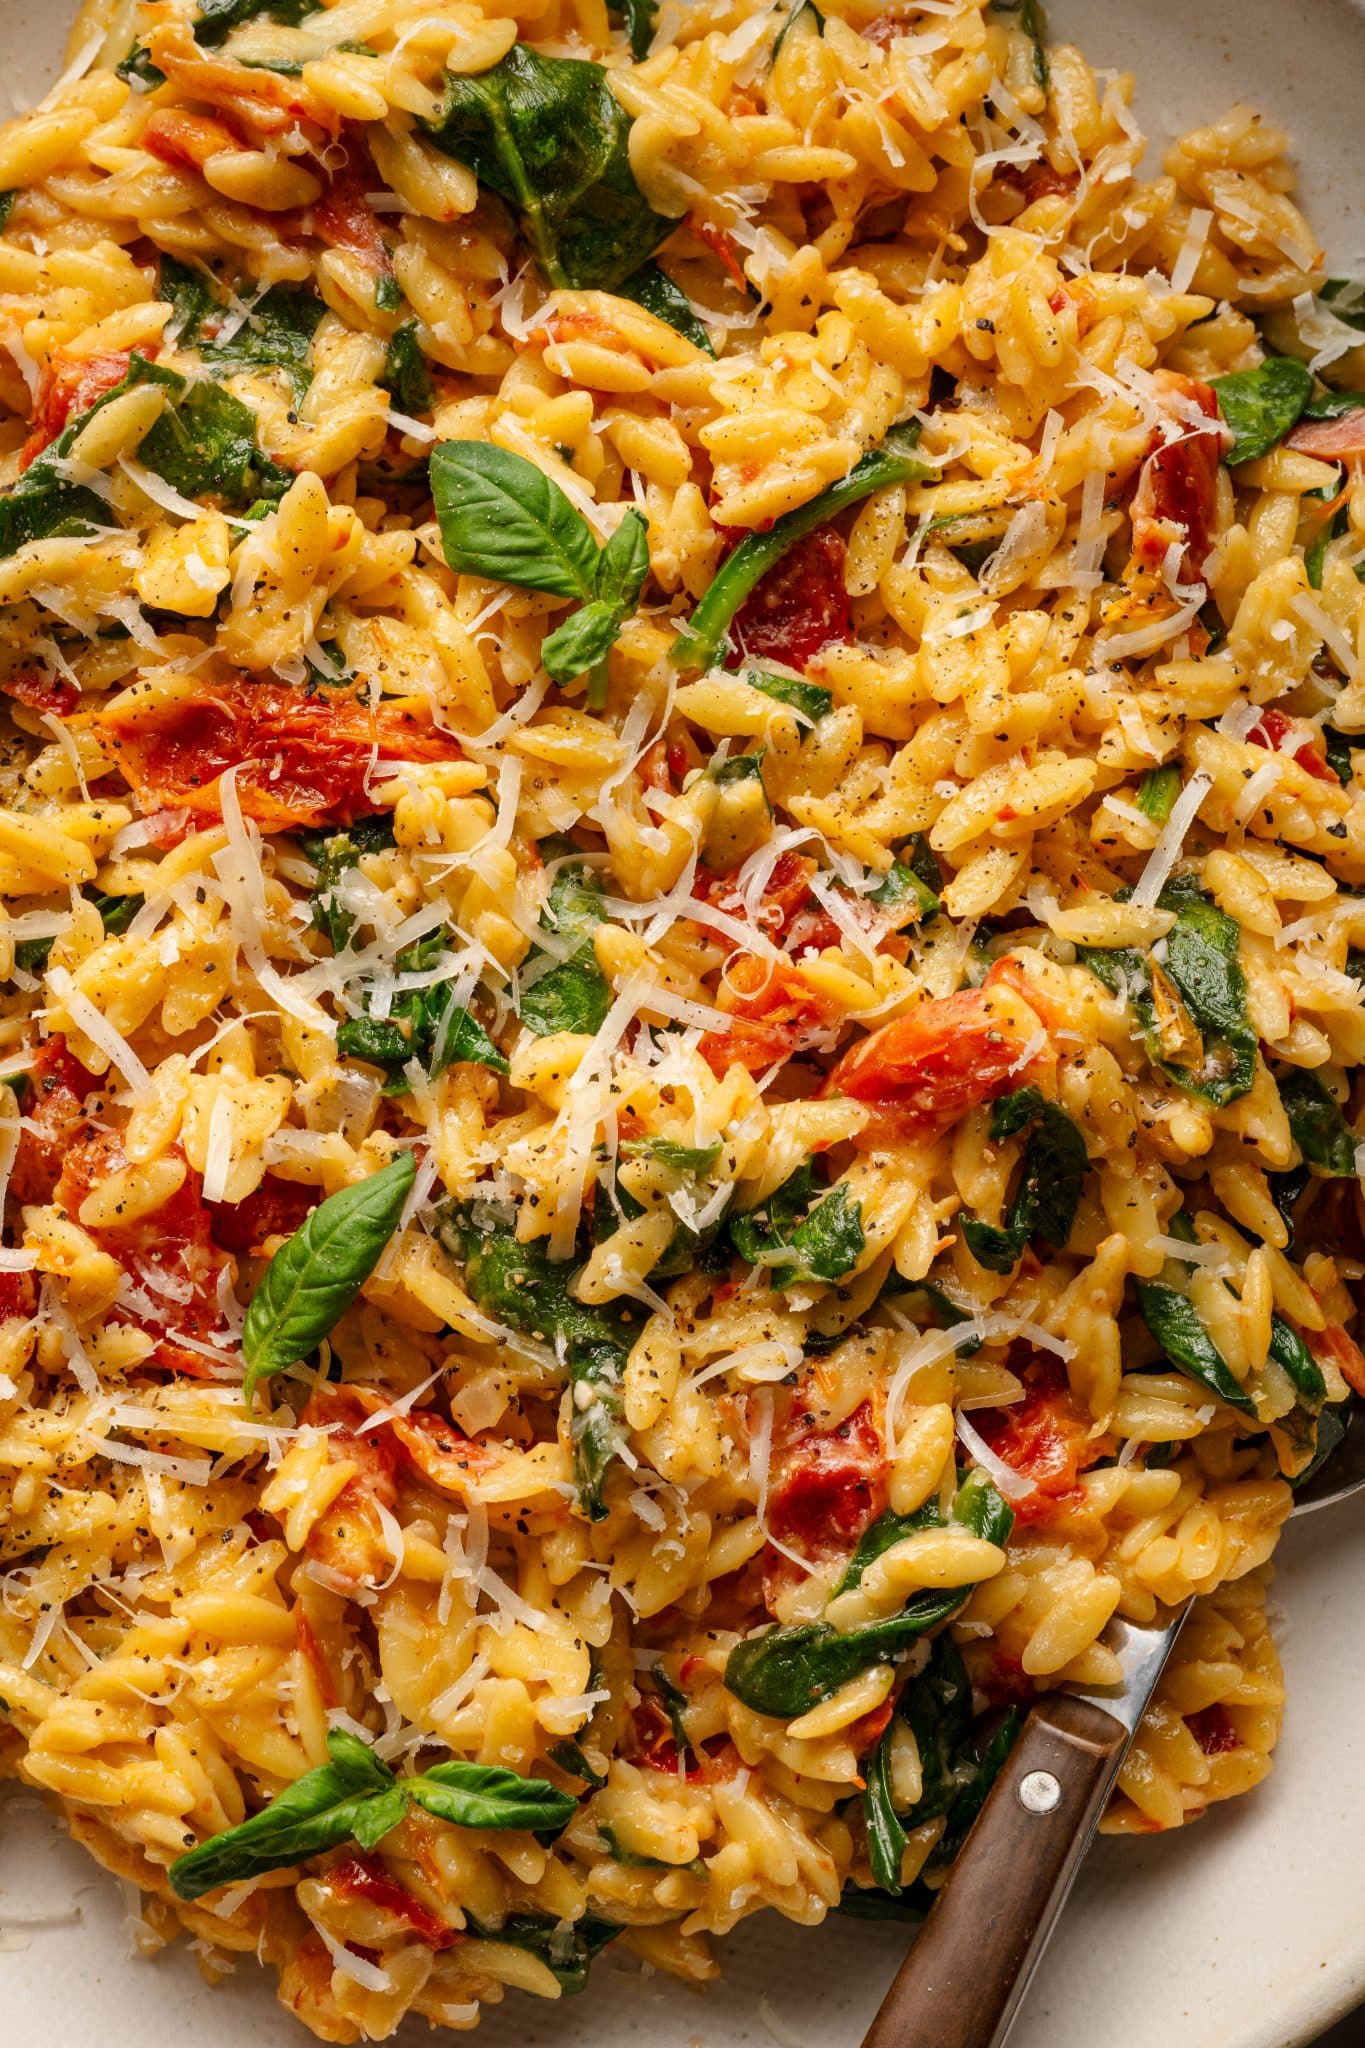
(964, 1977)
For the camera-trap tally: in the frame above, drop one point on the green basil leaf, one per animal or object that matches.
(584, 639)
(486, 1796)
(704, 636)
(405, 375)
(551, 138)
(1174, 1321)
(218, 18)
(567, 1951)
(655, 290)
(1320, 1130)
(624, 564)
(377, 1817)
(1262, 405)
(316, 1813)
(1158, 791)
(315, 1276)
(501, 517)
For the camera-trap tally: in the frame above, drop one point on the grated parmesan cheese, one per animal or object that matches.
(1166, 852)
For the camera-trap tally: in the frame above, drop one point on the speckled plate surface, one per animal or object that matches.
(1247, 1931)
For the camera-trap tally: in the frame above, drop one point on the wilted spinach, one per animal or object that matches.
(800, 1234)
(218, 18)
(1262, 405)
(405, 375)
(1320, 1130)
(563, 988)
(655, 290)
(1044, 1202)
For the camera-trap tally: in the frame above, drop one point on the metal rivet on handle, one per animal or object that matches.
(1039, 1792)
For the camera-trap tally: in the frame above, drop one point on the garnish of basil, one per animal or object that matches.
(313, 1278)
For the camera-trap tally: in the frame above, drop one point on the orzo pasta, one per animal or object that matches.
(683, 846)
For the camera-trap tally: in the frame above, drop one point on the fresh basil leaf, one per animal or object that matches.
(405, 375)
(503, 518)
(812, 700)
(316, 1813)
(218, 18)
(704, 636)
(654, 289)
(584, 639)
(1262, 405)
(1320, 1130)
(377, 1817)
(519, 1285)
(486, 1796)
(1158, 791)
(786, 1671)
(573, 994)
(138, 70)
(1174, 1321)
(551, 138)
(317, 1273)
(567, 1951)
(682, 1158)
(624, 564)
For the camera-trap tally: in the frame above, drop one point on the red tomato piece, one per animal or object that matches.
(18, 1296)
(168, 1255)
(440, 1452)
(344, 219)
(70, 386)
(1176, 496)
(1275, 727)
(1345, 1354)
(52, 695)
(365, 1879)
(827, 1485)
(787, 893)
(1213, 1731)
(720, 245)
(304, 755)
(1038, 181)
(654, 1745)
(1338, 440)
(349, 1539)
(927, 1069)
(1046, 1438)
(275, 1209)
(799, 607)
(175, 137)
(775, 1009)
(58, 1086)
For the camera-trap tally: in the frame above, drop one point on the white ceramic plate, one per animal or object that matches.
(1247, 1931)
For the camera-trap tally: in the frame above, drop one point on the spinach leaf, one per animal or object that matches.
(573, 994)
(218, 18)
(682, 1158)
(332, 854)
(205, 445)
(1045, 1201)
(878, 1537)
(317, 1273)
(1319, 1128)
(1202, 962)
(1333, 405)
(486, 1796)
(423, 1024)
(824, 1238)
(116, 914)
(887, 1840)
(521, 1286)
(317, 1812)
(138, 70)
(1033, 22)
(1289, 1351)
(277, 332)
(785, 1671)
(1174, 1321)
(706, 633)
(641, 19)
(805, 18)
(655, 290)
(550, 137)
(901, 887)
(1262, 405)
(926, 1303)
(405, 375)
(42, 503)
(357, 1797)
(7, 200)
(812, 700)
(567, 1951)
(1338, 745)
(1330, 1429)
(571, 1760)
(1158, 791)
